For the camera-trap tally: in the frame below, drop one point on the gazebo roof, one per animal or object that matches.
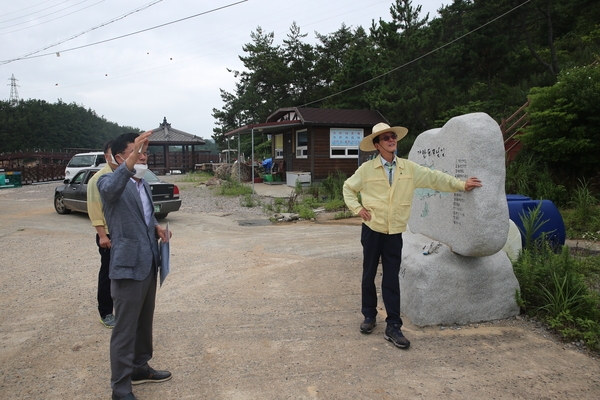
(164, 134)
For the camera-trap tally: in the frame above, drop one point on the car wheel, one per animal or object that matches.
(59, 205)
(161, 216)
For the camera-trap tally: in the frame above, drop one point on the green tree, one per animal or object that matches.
(406, 92)
(37, 124)
(261, 88)
(564, 122)
(300, 60)
(351, 62)
(479, 55)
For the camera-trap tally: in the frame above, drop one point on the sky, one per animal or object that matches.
(136, 62)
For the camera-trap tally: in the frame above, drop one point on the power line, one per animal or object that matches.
(126, 35)
(416, 59)
(86, 31)
(50, 20)
(34, 12)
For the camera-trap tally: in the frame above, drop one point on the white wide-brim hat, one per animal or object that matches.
(367, 143)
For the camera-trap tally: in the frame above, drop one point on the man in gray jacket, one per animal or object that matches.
(129, 212)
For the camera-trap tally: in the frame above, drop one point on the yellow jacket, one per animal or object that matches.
(389, 206)
(94, 202)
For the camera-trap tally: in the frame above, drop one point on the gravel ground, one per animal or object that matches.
(249, 312)
(199, 198)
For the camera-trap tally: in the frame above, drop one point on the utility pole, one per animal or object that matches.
(14, 94)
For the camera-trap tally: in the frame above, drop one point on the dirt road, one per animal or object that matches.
(249, 312)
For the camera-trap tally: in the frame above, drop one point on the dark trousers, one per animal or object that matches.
(389, 248)
(131, 340)
(105, 302)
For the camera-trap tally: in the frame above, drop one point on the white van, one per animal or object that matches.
(84, 160)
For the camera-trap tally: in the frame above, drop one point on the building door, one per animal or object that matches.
(288, 150)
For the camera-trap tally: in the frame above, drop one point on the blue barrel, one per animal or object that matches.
(517, 197)
(554, 228)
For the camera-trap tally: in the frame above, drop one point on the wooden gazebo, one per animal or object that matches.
(166, 160)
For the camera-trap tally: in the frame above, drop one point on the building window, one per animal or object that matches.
(302, 144)
(279, 146)
(343, 142)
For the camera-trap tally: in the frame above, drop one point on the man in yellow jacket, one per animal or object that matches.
(94, 205)
(386, 185)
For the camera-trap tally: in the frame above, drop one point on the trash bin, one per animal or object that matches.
(553, 228)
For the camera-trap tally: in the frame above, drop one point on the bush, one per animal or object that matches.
(276, 205)
(583, 219)
(563, 122)
(335, 205)
(553, 287)
(529, 176)
(343, 215)
(304, 211)
(584, 203)
(248, 201)
(311, 202)
(332, 186)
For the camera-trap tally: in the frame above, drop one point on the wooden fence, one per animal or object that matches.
(179, 162)
(47, 166)
(40, 173)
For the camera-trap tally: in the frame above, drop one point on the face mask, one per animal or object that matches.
(140, 170)
(111, 160)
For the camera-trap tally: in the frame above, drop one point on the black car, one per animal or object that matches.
(72, 196)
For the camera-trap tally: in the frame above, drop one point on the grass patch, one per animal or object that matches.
(343, 215)
(196, 177)
(304, 211)
(335, 205)
(583, 216)
(276, 206)
(234, 188)
(560, 289)
(248, 200)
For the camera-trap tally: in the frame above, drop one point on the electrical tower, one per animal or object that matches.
(14, 94)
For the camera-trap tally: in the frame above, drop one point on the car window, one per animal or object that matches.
(81, 161)
(100, 160)
(92, 173)
(78, 178)
(150, 177)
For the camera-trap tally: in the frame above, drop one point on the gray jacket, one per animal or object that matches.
(134, 243)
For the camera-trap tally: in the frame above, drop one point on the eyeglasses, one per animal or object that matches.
(146, 153)
(385, 138)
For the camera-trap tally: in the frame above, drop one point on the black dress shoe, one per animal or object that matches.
(129, 396)
(150, 376)
(367, 325)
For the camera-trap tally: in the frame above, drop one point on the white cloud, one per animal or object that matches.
(174, 71)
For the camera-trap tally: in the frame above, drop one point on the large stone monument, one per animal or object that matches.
(454, 269)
